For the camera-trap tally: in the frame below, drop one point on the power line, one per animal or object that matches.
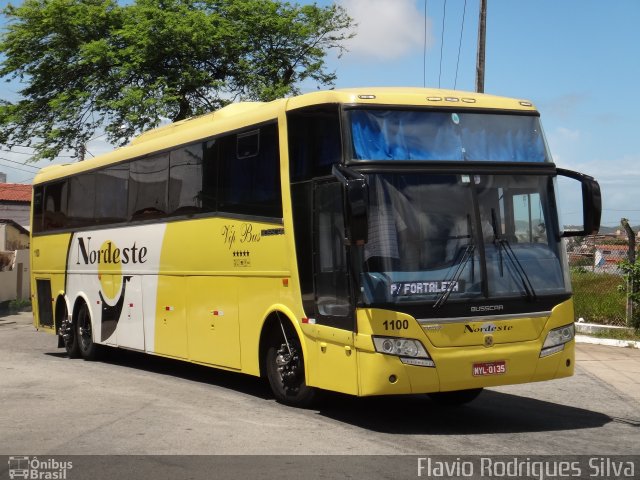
(16, 168)
(464, 11)
(19, 153)
(444, 16)
(18, 163)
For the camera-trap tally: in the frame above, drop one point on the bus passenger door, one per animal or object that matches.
(334, 314)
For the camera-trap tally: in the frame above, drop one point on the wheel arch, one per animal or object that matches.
(80, 299)
(61, 306)
(270, 325)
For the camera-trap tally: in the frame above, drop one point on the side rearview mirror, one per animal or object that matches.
(591, 203)
(356, 204)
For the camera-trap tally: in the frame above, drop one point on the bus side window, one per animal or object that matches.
(38, 201)
(314, 141)
(148, 182)
(111, 194)
(185, 180)
(249, 182)
(55, 205)
(82, 200)
(209, 194)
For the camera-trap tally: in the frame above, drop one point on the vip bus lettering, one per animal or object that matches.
(247, 235)
(229, 235)
(109, 253)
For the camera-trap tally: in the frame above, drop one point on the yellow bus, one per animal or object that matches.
(368, 241)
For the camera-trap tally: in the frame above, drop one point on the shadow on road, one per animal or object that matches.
(176, 368)
(491, 412)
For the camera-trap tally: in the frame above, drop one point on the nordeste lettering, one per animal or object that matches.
(109, 254)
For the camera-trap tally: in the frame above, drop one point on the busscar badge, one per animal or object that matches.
(488, 340)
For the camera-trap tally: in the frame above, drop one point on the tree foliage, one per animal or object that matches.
(87, 65)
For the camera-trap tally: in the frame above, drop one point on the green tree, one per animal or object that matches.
(87, 65)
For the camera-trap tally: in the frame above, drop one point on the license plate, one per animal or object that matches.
(489, 368)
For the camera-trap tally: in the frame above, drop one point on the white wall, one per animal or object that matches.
(17, 213)
(9, 280)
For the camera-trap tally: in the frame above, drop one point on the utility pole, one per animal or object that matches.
(631, 256)
(482, 37)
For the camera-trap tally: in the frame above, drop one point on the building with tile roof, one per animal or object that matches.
(15, 202)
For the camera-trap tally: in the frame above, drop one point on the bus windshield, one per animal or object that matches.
(420, 135)
(446, 237)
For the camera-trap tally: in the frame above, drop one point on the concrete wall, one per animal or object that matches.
(12, 239)
(14, 284)
(17, 213)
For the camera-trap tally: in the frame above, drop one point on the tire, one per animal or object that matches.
(455, 398)
(84, 334)
(69, 336)
(285, 370)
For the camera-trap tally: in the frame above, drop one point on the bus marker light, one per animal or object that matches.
(451, 99)
(419, 362)
(285, 282)
(366, 97)
(469, 100)
(311, 321)
(217, 313)
(434, 99)
(169, 309)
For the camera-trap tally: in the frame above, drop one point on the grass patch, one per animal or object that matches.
(597, 298)
(617, 335)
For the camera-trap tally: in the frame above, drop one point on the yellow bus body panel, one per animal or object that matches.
(48, 262)
(381, 374)
(219, 278)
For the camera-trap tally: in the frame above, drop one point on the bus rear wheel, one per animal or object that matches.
(69, 337)
(455, 398)
(84, 334)
(285, 370)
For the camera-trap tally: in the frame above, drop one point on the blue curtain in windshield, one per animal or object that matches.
(437, 136)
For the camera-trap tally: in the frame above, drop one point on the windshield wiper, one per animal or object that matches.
(467, 254)
(515, 268)
(453, 282)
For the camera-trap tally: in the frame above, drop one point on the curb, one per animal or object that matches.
(607, 341)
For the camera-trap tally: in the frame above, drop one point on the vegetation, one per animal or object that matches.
(597, 297)
(631, 288)
(618, 335)
(123, 66)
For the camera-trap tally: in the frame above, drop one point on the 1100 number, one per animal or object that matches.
(395, 324)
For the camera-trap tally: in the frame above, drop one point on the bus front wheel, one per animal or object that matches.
(285, 370)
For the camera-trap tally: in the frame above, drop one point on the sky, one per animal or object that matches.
(578, 61)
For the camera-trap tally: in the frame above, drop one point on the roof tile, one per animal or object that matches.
(15, 192)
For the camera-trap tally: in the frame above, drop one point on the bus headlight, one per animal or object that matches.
(410, 351)
(556, 340)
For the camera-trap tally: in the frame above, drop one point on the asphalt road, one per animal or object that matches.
(132, 403)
